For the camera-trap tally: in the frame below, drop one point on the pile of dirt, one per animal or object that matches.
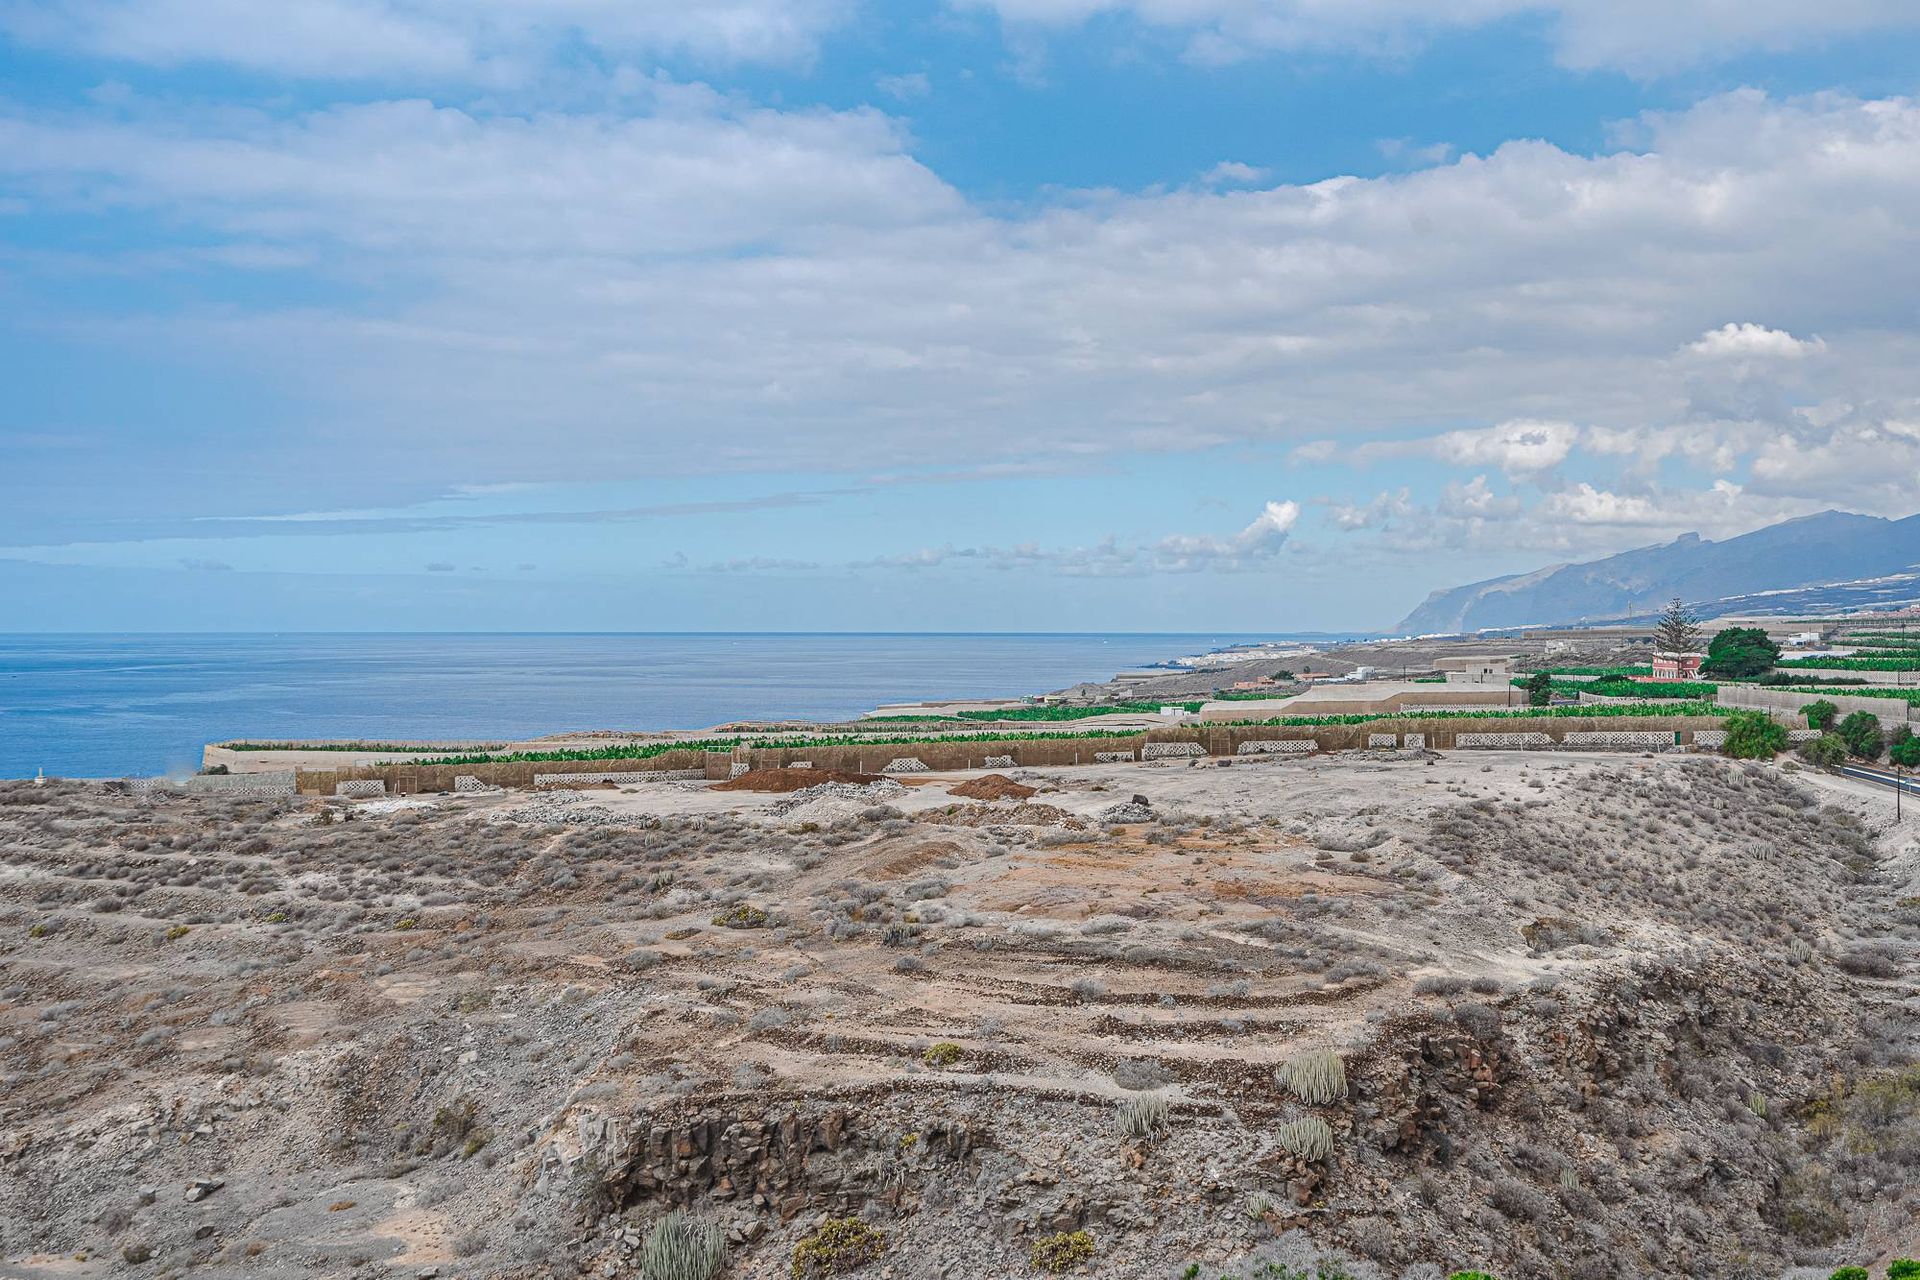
(1018, 815)
(994, 786)
(782, 780)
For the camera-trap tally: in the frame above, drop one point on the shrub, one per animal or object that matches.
(1316, 1078)
(1472, 1275)
(742, 916)
(1861, 730)
(1903, 748)
(944, 1054)
(1753, 735)
(1061, 1251)
(1820, 714)
(1903, 1269)
(1849, 1273)
(682, 1248)
(838, 1245)
(1828, 751)
(1310, 1138)
(1142, 1117)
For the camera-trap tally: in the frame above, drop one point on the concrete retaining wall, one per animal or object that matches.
(1785, 705)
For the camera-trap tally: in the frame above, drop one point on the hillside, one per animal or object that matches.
(1831, 560)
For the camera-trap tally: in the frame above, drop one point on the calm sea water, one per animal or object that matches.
(108, 706)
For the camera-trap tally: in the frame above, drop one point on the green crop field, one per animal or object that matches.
(1049, 714)
(1849, 664)
(343, 746)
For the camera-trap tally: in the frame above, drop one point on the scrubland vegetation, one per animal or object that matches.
(1545, 1018)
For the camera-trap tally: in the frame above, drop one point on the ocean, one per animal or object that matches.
(98, 706)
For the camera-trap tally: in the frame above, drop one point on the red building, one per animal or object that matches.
(1677, 666)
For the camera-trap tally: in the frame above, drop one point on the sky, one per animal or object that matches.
(983, 315)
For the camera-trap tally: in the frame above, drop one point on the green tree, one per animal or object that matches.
(1754, 735)
(1740, 653)
(1820, 714)
(1829, 751)
(1678, 630)
(1903, 748)
(1539, 687)
(1862, 733)
(1849, 1273)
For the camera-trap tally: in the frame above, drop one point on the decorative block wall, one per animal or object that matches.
(1416, 742)
(1382, 740)
(1278, 747)
(737, 768)
(464, 783)
(905, 764)
(1648, 740)
(240, 786)
(997, 762)
(1112, 757)
(1711, 738)
(1171, 750)
(1507, 741)
(618, 779)
(1803, 735)
(360, 790)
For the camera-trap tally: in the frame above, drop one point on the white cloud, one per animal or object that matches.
(908, 86)
(1232, 173)
(1519, 448)
(1753, 342)
(1254, 547)
(439, 38)
(1640, 36)
(709, 286)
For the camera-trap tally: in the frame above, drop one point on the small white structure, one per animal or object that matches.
(1476, 668)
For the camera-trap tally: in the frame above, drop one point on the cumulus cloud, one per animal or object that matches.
(1753, 342)
(1519, 448)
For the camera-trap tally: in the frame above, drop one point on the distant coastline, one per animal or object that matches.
(95, 705)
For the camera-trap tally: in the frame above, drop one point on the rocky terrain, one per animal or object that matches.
(1571, 1016)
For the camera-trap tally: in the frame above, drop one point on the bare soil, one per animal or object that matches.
(1597, 1016)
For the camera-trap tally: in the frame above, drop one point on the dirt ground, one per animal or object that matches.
(1587, 1015)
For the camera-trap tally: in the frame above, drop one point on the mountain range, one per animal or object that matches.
(1821, 563)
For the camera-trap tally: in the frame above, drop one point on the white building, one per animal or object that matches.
(1476, 668)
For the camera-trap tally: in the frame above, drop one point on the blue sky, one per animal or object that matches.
(963, 314)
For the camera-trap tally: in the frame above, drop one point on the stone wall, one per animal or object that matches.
(237, 786)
